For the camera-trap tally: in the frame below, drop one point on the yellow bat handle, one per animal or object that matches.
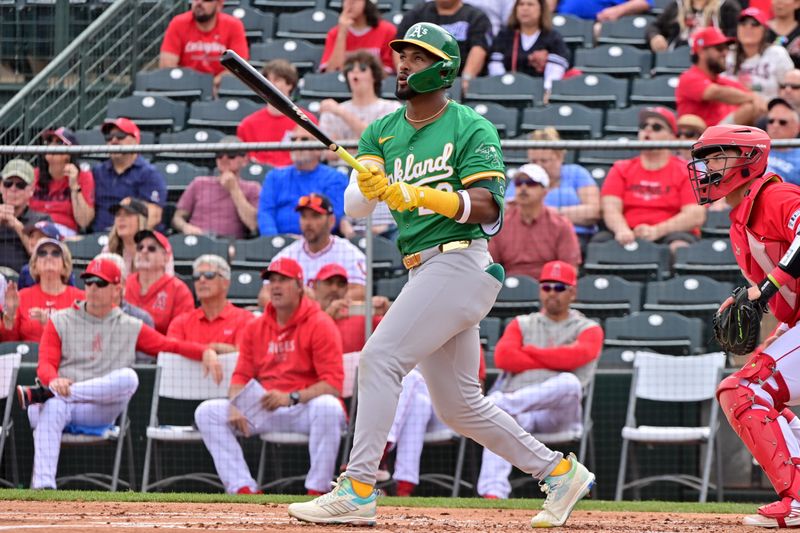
(349, 159)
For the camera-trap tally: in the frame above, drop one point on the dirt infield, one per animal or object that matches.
(96, 517)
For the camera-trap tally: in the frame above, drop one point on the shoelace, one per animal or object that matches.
(549, 488)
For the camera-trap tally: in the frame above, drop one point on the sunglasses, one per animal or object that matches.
(312, 200)
(152, 248)
(101, 283)
(789, 85)
(52, 252)
(655, 126)
(780, 121)
(204, 275)
(351, 66)
(688, 134)
(753, 23)
(549, 287)
(231, 155)
(20, 185)
(118, 136)
(528, 182)
(300, 139)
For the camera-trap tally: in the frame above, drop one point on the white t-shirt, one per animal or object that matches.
(337, 129)
(762, 72)
(339, 251)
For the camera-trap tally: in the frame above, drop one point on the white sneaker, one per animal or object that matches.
(563, 493)
(780, 514)
(340, 506)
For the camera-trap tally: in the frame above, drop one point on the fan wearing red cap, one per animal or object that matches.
(162, 295)
(705, 92)
(649, 197)
(85, 359)
(550, 357)
(292, 356)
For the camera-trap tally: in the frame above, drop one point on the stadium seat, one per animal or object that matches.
(180, 174)
(607, 156)
(395, 17)
(710, 257)
(386, 258)
(677, 382)
(571, 120)
(191, 136)
(85, 249)
(181, 380)
(616, 358)
(672, 61)
(325, 85)
(656, 90)
(575, 31)
(591, 89)
(304, 55)
(9, 367)
(637, 261)
(625, 30)
(223, 114)
(698, 296)
(255, 172)
(625, 121)
(665, 332)
(383, 5)
(187, 248)
(258, 25)
(27, 350)
(659, 6)
(149, 112)
(311, 24)
(390, 287)
(605, 296)
(505, 119)
(280, 6)
(233, 87)
(255, 254)
(175, 83)
(490, 334)
(599, 171)
(718, 223)
(518, 89)
(614, 59)
(519, 295)
(245, 286)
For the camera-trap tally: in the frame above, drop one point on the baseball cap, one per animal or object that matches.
(131, 205)
(47, 228)
(754, 13)
(316, 202)
(331, 270)
(55, 242)
(709, 36)
(534, 172)
(65, 135)
(559, 271)
(19, 168)
(663, 114)
(157, 235)
(105, 269)
(779, 101)
(285, 267)
(124, 124)
(692, 121)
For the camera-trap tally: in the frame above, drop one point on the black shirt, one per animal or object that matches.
(503, 50)
(13, 253)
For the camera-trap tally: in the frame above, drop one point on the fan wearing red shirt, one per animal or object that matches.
(196, 38)
(360, 28)
(162, 295)
(295, 353)
(702, 91)
(217, 322)
(269, 124)
(649, 197)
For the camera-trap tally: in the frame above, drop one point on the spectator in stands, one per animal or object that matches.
(603, 10)
(61, 189)
(195, 39)
(3, 287)
(573, 192)
(283, 187)
(153, 289)
(294, 352)
(702, 91)
(469, 25)
(757, 64)
(126, 175)
(681, 20)
(349, 119)
(548, 357)
(690, 128)
(269, 124)
(530, 45)
(533, 233)
(789, 87)
(130, 217)
(15, 213)
(497, 11)
(783, 122)
(785, 27)
(85, 360)
(217, 322)
(650, 197)
(44, 229)
(318, 247)
(224, 205)
(360, 27)
(28, 310)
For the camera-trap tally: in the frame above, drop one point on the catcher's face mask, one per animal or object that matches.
(717, 170)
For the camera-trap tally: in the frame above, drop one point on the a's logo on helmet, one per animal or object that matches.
(417, 30)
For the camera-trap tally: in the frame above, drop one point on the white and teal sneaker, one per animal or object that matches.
(563, 493)
(340, 506)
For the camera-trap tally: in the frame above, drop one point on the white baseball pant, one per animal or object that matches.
(322, 419)
(94, 402)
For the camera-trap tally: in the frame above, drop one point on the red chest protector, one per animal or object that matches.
(758, 249)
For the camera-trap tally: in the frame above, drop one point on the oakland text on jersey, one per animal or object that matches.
(414, 170)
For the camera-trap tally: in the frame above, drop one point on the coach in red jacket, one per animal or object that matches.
(294, 352)
(548, 358)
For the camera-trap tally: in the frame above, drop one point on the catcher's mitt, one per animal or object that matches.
(737, 326)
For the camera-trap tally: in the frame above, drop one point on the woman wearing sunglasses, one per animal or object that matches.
(360, 28)
(27, 311)
(130, 217)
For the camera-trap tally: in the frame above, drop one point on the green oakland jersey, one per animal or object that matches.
(459, 150)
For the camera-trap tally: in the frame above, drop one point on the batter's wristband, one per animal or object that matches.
(467, 207)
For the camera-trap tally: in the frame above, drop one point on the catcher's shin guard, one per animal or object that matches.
(759, 428)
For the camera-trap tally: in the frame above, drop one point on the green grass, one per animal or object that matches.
(452, 503)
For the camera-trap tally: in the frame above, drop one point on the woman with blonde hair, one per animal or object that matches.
(675, 26)
(130, 216)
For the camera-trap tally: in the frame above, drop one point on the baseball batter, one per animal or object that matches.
(438, 167)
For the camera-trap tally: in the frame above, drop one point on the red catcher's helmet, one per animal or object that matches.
(753, 147)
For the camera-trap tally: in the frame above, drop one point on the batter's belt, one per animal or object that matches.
(416, 259)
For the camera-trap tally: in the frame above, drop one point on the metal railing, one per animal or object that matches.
(74, 88)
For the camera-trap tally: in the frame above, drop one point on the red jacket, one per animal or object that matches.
(164, 300)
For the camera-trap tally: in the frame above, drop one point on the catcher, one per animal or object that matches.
(730, 162)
